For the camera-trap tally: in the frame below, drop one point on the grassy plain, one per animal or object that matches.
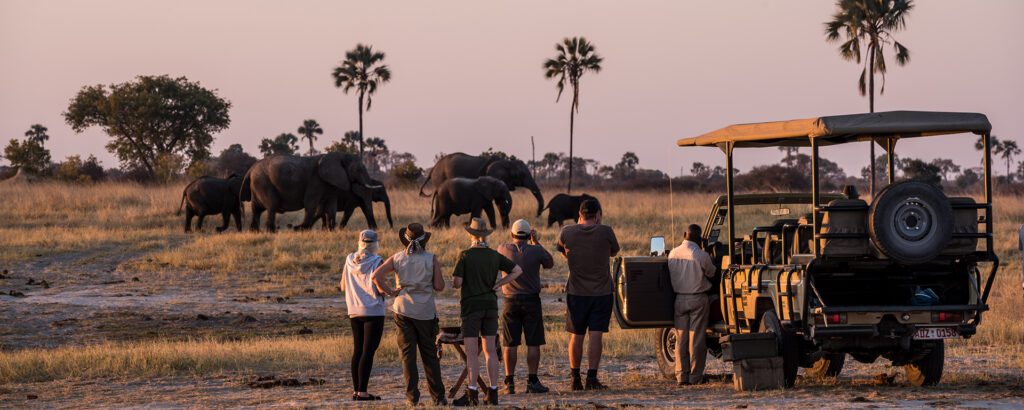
(124, 285)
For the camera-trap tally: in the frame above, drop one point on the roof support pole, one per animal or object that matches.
(815, 196)
(728, 148)
(986, 141)
(890, 148)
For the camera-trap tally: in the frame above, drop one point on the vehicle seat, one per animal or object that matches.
(852, 221)
(965, 220)
(802, 236)
(775, 242)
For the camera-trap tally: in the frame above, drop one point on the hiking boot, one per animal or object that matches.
(470, 398)
(536, 387)
(576, 385)
(594, 384)
(492, 396)
(510, 387)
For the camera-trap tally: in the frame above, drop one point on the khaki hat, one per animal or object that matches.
(477, 227)
(521, 229)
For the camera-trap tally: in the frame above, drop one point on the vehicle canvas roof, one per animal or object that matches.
(839, 129)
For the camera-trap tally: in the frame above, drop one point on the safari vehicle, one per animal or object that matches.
(832, 276)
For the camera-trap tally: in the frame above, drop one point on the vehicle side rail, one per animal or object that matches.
(884, 308)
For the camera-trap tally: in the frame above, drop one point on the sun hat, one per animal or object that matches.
(413, 232)
(521, 229)
(477, 227)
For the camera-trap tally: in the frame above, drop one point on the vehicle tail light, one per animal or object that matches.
(830, 319)
(948, 317)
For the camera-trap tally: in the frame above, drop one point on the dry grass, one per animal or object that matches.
(139, 221)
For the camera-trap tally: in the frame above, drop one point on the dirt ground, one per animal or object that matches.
(87, 297)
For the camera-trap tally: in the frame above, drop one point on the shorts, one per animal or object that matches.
(587, 313)
(481, 322)
(522, 315)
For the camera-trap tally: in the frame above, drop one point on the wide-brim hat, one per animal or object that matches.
(413, 231)
(477, 227)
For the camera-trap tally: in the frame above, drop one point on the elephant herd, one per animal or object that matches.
(322, 185)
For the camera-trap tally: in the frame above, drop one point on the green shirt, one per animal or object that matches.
(478, 267)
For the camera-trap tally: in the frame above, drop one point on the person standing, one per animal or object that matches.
(1020, 247)
(521, 313)
(587, 247)
(418, 275)
(365, 307)
(691, 270)
(477, 275)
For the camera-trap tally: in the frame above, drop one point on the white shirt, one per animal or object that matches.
(690, 268)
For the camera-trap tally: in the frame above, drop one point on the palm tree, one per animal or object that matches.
(37, 133)
(360, 71)
(309, 130)
(1007, 150)
(869, 24)
(575, 57)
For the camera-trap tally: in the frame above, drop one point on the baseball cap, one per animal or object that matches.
(521, 229)
(368, 235)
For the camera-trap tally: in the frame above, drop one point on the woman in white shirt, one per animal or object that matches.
(365, 310)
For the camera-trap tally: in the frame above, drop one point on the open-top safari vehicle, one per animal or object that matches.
(832, 276)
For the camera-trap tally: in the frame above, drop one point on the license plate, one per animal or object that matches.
(934, 333)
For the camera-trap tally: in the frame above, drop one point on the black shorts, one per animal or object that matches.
(522, 315)
(587, 313)
(480, 322)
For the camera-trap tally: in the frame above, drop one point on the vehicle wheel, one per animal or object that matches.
(667, 352)
(829, 365)
(911, 222)
(788, 346)
(927, 371)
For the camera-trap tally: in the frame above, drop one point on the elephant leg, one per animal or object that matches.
(367, 208)
(238, 218)
(199, 223)
(271, 220)
(349, 210)
(226, 216)
(188, 218)
(489, 210)
(257, 211)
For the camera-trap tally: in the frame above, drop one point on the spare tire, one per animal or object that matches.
(911, 222)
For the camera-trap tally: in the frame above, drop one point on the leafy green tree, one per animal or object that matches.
(626, 168)
(968, 178)
(406, 171)
(309, 131)
(947, 168)
(790, 155)
(918, 170)
(29, 155)
(575, 57)
(869, 25)
(1007, 149)
(285, 143)
(363, 72)
(349, 144)
(151, 117)
(37, 133)
(233, 160)
(74, 169)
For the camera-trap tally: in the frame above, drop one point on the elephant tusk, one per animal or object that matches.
(375, 186)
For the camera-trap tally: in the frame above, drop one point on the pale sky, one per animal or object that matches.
(467, 74)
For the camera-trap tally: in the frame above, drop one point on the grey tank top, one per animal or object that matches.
(416, 277)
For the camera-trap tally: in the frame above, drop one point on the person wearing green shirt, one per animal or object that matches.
(477, 276)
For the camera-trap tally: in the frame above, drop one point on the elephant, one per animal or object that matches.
(347, 204)
(285, 183)
(563, 207)
(458, 196)
(514, 173)
(210, 196)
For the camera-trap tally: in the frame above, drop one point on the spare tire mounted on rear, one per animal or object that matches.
(911, 222)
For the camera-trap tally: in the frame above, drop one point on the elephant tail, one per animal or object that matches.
(182, 204)
(245, 193)
(423, 194)
(184, 192)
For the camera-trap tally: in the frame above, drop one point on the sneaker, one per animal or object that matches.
(594, 384)
(470, 398)
(577, 384)
(536, 387)
(510, 387)
(492, 396)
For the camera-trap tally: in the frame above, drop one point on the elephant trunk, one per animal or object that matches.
(532, 185)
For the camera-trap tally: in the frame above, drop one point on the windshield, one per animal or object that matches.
(750, 216)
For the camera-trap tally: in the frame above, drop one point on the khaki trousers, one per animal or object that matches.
(419, 335)
(691, 321)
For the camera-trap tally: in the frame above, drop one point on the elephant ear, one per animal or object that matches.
(332, 171)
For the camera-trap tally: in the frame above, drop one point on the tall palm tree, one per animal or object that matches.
(362, 71)
(869, 25)
(309, 130)
(37, 133)
(575, 57)
(1007, 149)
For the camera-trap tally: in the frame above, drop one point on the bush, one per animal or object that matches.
(29, 155)
(406, 172)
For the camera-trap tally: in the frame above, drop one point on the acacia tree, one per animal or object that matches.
(309, 130)
(284, 144)
(37, 133)
(575, 57)
(363, 72)
(869, 25)
(151, 118)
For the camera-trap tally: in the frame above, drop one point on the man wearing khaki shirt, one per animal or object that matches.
(691, 270)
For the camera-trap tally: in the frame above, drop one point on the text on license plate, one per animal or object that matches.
(932, 333)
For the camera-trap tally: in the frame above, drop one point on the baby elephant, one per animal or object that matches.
(563, 207)
(458, 196)
(210, 196)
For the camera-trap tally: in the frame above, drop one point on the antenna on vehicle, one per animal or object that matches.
(672, 209)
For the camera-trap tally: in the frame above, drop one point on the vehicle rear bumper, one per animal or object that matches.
(892, 322)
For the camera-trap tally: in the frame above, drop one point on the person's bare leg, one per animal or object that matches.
(491, 356)
(575, 351)
(532, 359)
(472, 346)
(594, 349)
(511, 357)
